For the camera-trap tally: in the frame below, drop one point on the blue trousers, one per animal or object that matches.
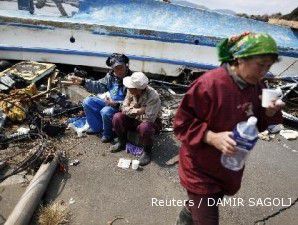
(99, 115)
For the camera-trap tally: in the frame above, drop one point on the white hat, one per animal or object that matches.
(137, 80)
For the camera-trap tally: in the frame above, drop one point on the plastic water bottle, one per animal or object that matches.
(246, 135)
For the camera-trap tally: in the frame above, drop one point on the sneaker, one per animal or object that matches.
(184, 217)
(91, 132)
(117, 147)
(105, 139)
(145, 159)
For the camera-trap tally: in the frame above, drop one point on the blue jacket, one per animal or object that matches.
(110, 83)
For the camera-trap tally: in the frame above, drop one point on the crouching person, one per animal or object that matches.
(140, 112)
(99, 110)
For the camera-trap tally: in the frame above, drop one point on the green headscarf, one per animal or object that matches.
(248, 44)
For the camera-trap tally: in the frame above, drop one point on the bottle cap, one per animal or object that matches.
(252, 120)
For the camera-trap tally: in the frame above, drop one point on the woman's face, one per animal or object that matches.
(252, 70)
(120, 71)
(135, 92)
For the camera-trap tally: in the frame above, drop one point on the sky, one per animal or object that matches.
(251, 6)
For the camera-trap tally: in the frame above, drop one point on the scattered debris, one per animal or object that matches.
(135, 164)
(133, 149)
(124, 163)
(173, 161)
(15, 104)
(274, 129)
(74, 162)
(266, 136)
(42, 110)
(54, 214)
(22, 214)
(115, 219)
(2, 119)
(71, 201)
(19, 178)
(29, 71)
(289, 87)
(289, 134)
(79, 125)
(168, 129)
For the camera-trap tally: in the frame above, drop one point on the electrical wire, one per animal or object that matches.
(26, 163)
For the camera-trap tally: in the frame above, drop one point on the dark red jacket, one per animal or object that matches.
(214, 102)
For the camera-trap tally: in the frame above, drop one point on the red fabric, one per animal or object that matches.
(213, 102)
(202, 211)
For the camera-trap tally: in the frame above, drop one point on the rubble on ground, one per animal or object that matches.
(29, 130)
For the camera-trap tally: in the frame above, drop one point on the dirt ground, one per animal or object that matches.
(100, 191)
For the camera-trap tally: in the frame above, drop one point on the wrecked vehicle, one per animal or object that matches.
(90, 34)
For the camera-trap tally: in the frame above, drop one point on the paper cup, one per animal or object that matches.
(269, 95)
(135, 164)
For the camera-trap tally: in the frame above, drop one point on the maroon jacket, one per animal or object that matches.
(214, 102)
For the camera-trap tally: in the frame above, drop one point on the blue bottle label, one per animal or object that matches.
(243, 143)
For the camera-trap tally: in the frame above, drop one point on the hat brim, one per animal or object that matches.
(117, 64)
(128, 83)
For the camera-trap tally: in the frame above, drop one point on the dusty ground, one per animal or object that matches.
(101, 191)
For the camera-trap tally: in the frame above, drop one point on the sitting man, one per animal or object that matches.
(100, 109)
(140, 112)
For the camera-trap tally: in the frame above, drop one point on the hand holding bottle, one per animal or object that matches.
(222, 141)
(245, 135)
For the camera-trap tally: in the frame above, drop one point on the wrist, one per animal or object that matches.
(208, 137)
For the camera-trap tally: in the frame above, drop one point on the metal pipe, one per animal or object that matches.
(168, 83)
(29, 201)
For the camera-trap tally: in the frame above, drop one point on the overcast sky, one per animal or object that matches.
(251, 6)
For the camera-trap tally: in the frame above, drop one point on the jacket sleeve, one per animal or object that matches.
(126, 108)
(152, 109)
(191, 119)
(98, 86)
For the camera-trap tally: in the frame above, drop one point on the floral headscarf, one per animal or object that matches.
(244, 45)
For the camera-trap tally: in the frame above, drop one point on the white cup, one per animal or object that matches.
(135, 164)
(269, 95)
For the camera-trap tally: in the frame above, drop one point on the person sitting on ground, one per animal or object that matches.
(100, 109)
(140, 112)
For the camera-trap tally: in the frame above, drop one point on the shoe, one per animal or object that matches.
(117, 147)
(145, 158)
(184, 217)
(91, 132)
(105, 139)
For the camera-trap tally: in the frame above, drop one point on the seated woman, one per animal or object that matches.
(100, 109)
(140, 112)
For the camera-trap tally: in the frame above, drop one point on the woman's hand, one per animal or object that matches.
(222, 141)
(75, 79)
(274, 107)
(138, 111)
(110, 102)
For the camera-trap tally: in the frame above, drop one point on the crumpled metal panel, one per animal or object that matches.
(30, 71)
